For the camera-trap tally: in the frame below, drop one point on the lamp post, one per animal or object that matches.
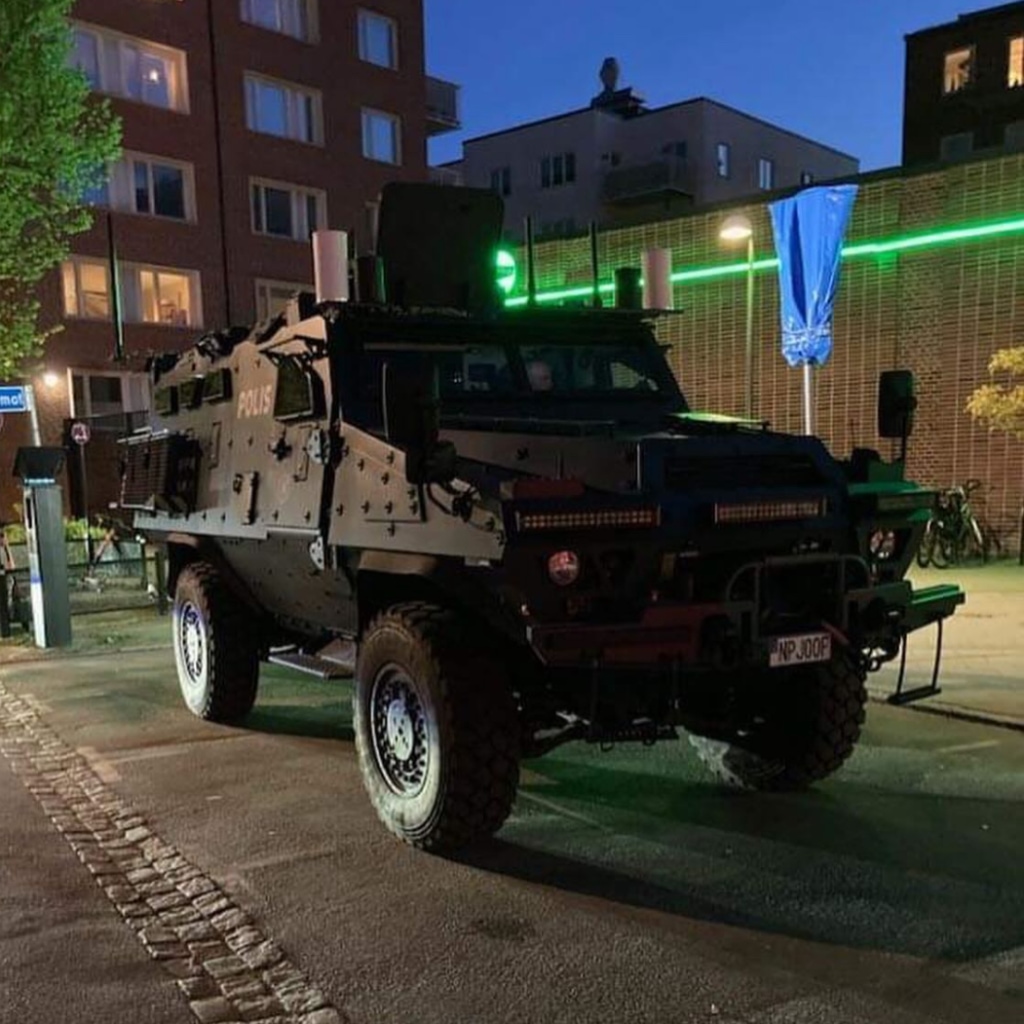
(737, 228)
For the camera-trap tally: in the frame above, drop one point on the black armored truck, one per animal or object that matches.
(514, 532)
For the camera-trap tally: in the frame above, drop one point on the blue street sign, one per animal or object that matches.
(12, 398)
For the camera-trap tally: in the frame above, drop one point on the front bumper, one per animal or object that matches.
(738, 632)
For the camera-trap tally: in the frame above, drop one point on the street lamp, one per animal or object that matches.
(737, 228)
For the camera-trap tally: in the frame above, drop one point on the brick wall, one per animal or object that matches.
(940, 312)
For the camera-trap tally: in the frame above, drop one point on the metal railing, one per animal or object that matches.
(642, 181)
(442, 106)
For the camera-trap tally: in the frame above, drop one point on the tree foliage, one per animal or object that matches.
(55, 140)
(1000, 405)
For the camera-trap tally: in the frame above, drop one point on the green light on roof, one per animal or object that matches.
(886, 247)
(505, 262)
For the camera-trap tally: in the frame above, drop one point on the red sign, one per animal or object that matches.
(80, 433)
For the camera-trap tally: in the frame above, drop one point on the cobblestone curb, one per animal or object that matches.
(228, 969)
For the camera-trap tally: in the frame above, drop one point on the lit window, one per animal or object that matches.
(290, 17)
(287, 211)
(1015, 72)
(86, 286)
(377, 39)
(501, 181)
(164, 297)
(133, 68)
(381, 137)
(765, 174)
(958, 69)
(722, 159)
(272, 296)
(276, 108)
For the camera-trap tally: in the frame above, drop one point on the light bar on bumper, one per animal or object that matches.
(770, 511)
(635, 518)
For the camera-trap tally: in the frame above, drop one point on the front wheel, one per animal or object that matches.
(800, 726)
(214, 646)
(436, 728)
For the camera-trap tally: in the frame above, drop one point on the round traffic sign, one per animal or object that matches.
(80, 432)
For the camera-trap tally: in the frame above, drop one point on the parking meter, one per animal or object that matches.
(37, 468)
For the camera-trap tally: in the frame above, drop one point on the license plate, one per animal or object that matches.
(799, 650)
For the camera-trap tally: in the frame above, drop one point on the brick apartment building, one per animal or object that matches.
(964, 88)
(246, 125)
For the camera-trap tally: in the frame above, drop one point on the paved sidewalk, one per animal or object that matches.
(983, 651)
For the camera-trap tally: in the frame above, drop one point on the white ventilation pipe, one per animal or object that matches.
(656, 266)
(330, 265)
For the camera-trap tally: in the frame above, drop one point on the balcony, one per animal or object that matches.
(639, 183)
(445, 175)
(442, 106)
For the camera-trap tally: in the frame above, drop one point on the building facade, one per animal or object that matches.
(964, 87)
(247, 124)
(620, 162)
(924, 288)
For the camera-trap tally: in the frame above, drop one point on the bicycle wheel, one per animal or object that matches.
(945, 552)
(927, 546)
(978, 539)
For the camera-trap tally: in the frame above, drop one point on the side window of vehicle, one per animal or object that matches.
(299, 391)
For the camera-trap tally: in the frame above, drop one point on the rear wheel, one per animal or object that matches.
(806, 724)
(436, 727)
(214, 646)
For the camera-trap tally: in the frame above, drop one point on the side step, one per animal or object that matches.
(928, 605)
(335, 661)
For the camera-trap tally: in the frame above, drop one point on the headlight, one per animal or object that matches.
(564, 568)
(882, 545)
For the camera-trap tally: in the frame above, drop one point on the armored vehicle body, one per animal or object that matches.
(515, 532)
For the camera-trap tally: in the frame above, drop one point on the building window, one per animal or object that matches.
(131, 68)
(290, 17)
(958, 69)
(806, 178)
(501, 181)
(86, 289)
(138, 183)
(378, 39)
(277, 108)
(765, 174)
(956, 147)
(559, 169)
(287, 211)
(723, 157)
(108, 394)
(679, 150)
(1015, 68)
(381, 137)
(1013, 136)
(273, 296)
(154, 295)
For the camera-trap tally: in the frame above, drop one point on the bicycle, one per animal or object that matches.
(954, 532)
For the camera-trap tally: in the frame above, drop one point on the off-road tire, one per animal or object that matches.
(470, 745)
(812, 724)
(215, 647)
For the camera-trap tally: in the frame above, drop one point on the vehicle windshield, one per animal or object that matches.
(513, 370)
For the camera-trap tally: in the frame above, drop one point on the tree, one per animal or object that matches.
(1001, 405)
(55, 142)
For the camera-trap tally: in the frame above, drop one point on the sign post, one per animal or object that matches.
(21, 398)
(80, 434)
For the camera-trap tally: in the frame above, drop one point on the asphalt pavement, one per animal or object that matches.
(157, 868)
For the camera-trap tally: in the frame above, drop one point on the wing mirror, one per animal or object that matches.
(896, 405)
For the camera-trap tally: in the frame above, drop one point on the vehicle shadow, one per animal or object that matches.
(848, 864)
(320, 720)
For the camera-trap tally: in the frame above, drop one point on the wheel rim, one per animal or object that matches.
(192, 650)
(399, 727)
